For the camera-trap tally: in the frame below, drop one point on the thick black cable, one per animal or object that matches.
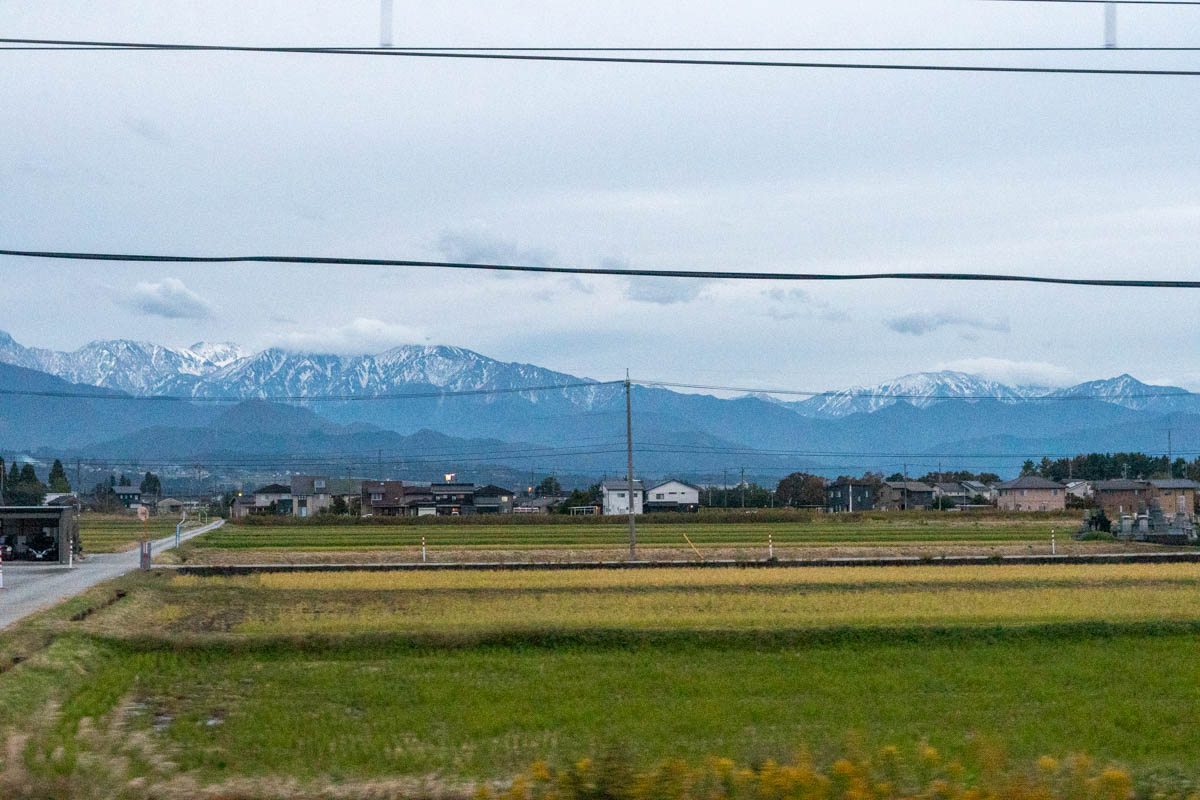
(640, 273)
(868, 49)
(709, 62)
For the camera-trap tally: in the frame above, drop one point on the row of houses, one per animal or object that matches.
(309, 495)
(1027, 493)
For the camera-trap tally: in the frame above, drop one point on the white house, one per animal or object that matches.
(673, 495)
(615, 496)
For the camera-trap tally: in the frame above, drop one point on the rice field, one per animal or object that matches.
(931, 529)
(452, 684)
(107, 533)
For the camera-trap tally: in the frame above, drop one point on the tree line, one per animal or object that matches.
(22, 486)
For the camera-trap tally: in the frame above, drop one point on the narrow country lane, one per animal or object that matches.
(33, 587)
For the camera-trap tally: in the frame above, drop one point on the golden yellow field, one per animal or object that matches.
(710, 599)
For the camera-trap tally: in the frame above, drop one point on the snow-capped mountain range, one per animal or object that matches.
(227, 370)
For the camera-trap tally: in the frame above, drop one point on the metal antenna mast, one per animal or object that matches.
(629, 453)
(385, 23)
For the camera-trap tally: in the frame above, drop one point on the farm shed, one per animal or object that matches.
(38, 533)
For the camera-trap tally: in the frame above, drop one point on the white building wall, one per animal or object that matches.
(674, 492)
(617, 502)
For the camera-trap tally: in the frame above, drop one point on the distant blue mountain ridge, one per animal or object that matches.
(950, 418)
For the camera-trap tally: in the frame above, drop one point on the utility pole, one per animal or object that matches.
(905, 486)
(743, 485)
(78, 479)
(379, 462)
(629, 453)
(725, 490)
(1110, 25)
(385, 23)
(1170, 459)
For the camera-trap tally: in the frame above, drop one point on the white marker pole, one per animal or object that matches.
(770, 547)
(422, 549)
(1053, 551)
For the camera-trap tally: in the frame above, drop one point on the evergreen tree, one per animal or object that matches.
(151, 486)
(24, 489)
(125, 480)
(58, 478)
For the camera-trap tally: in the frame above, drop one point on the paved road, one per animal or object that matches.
(32, 587)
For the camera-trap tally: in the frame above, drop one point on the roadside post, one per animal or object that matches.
(770, 547)
(1053, 550)
(422, 549)
(144, 551)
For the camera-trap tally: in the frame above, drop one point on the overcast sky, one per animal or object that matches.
(576, 164)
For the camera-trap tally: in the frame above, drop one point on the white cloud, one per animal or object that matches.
(168, 298)
(357, 337)
(1014, 373)
(923, 323)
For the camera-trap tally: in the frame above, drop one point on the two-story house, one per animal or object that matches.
(1031, 493)
(672, 495)
(615, 496)
(1122, 496)
(903, 495)
(396, 499)
(492, 499)
(453, 499)
(850, 495)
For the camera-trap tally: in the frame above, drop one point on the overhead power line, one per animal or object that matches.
(659, 49)
(1112, 2)
(606, 59)
(296, 398)
(854, 395)
(653, 384)
(626, 272)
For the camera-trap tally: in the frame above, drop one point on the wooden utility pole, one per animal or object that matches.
(629, 453)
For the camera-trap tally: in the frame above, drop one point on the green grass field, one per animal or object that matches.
(615, 535)
(109, 533)
(305, 681)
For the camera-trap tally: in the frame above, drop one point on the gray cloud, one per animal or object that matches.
(660, 291)
(483, 248)
(792, 304)
(921, 324)
(147, 129)
(168, 298)
(664, 291)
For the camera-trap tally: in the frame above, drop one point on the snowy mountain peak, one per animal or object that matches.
(219, 353)
(921, 389)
